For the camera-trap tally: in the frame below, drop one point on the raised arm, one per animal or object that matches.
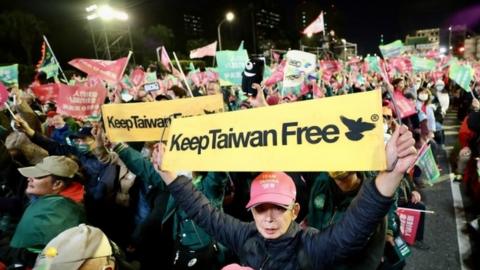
(369, 208)
(224, 228)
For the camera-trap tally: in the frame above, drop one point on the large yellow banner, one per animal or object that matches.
(147, 121)
(343, 133)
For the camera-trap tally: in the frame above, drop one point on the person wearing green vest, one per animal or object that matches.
(331, 195)
(54, 207)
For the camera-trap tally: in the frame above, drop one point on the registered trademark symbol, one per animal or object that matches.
(374, 117)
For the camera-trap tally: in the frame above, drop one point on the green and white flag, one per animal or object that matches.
(392, 49)
(48, 63)
(462, 75)
(240, 47)
(420, 64)
(9, 75)
(373, 64)
(150, 77)
(427, 164)
(231, 65)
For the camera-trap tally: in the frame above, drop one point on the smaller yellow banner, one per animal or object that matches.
(148, 121)
(343, 133)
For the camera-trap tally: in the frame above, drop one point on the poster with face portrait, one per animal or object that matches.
(298, 65)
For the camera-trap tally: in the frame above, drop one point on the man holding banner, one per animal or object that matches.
(274, 240)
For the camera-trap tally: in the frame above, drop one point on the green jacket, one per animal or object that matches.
(328, 205)
(44, 219)
(184, 229)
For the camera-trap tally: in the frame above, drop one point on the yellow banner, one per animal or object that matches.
(147, 121)
(343, 133)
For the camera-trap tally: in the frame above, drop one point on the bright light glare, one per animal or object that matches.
(121, 15)
(91, 8)
(106, 13)
(230, 16)
(443, 50)
(309, 35)
(92, 16)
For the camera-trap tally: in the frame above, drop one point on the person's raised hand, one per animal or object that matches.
(22, 126)
(98, 134)
(400, 150)
(416, 197)
(157, 160)
(475, 104)
(259, 100)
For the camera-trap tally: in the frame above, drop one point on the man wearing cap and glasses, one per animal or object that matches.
(55, 206)
(274, 240)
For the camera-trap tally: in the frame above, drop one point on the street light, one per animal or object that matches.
(344, 49)
(228, 17)
(106, 13)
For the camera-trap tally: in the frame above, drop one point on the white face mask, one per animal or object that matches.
(439, 87)
(423, 97)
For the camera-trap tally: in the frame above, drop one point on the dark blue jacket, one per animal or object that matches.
(60, 134)
(292, 250)
(100, 177)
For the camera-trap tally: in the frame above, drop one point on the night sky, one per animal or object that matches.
(360, 22)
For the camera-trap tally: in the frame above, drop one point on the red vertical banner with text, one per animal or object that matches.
(409, 220)
(81, 100)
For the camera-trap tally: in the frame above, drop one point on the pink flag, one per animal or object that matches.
(110, 71)
(277, 75)
(401, 64)
(409, 220)
(405, 106)
(3, 94)
(165, 59)
(80, 100)
(46, 92)
(432, 54)
(208, 50)
(316, 26)
(137, 77)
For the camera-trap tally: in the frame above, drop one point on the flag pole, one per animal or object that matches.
(158, 54)
(126, 63)
(56, 60)
(183, 75)
(10, 110)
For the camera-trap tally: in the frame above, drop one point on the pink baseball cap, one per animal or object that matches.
(236, 267)
(272, 187)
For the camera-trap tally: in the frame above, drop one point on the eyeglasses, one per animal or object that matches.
(387, 117)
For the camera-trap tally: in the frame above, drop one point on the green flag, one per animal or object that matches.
(48, 64)
(126, 81)
(231, 65)
(462, 75)
(191, 67)
(392, 49)
(240, 47)
(150, 77)
(373, 64)
(427, 164)
(9, 75)
(420, 64)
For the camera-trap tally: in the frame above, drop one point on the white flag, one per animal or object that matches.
(316, 26)
(208, 50)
